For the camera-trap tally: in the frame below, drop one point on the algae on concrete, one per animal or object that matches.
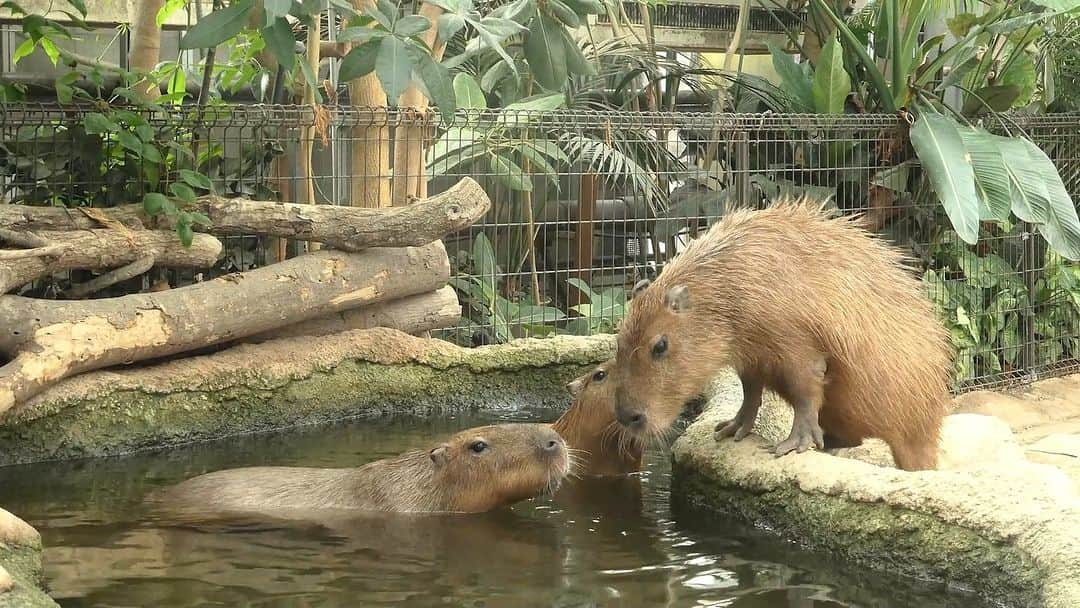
(288, 382)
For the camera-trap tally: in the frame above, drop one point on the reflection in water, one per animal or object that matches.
(598, 542)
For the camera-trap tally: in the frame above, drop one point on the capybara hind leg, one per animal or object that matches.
(835, 442)
(914, 457)
(805, 389)
(743, 423)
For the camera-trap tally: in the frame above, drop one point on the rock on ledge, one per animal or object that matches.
(286, 382)
(21, 576)
(994, 521)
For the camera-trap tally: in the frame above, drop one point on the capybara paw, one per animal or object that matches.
(802, 437)
(734, 428)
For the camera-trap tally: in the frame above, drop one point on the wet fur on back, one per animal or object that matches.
(773, 290)
(518, 461)
(589, 427)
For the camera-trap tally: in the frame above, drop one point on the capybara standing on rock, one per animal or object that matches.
(476, 470)
(809, 306)
(589, 427)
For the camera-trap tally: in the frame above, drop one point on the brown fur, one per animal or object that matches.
(589, 427)
(520, 461)
(809, 306)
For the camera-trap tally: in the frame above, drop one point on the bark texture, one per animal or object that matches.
(49, 340)
(370, 146)
(413, 315)
(345, 228)
(411, 136)
(108, 248)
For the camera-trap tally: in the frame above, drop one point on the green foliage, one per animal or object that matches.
(937, 141)
(602, 313)
(983, 300)
(831, 83)
(485, 305)
(217, 27)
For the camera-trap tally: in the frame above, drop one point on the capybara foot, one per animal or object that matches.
(736, 428)
(804, 433)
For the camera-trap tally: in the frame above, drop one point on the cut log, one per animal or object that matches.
(108, 248)
(344, 228)
(413, 315)
(50, 340)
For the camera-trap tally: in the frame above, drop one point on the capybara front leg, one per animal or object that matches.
(743, 423)
(805, 391)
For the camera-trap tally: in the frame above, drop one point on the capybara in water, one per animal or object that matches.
(810, 306)
(589, 427)
(475, 470)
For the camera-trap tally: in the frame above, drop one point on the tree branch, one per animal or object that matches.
(110, 278)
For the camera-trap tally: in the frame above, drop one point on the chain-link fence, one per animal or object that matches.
(583, 203)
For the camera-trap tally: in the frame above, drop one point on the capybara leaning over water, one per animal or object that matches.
(809, 306)
(476, 470)
(589, 427)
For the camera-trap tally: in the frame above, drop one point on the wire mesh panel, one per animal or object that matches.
(584, 204)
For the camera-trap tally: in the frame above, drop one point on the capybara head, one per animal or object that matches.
(487, 467)
(590, 428)
(655, 373)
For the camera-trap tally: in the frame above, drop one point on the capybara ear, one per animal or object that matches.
(440, 454)
(678, 299)
(639, 287)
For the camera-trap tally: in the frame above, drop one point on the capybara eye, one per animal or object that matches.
(660, 347)
(478, 446)
(599, 375)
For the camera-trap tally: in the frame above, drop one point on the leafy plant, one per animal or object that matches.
(978, 176)
(983, 300)
(601, 314)
(480, 295)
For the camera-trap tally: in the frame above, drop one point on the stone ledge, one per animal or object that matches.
(288, 382)
(1007, 528)
(21, 576)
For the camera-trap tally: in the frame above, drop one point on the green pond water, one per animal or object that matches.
(596, 543)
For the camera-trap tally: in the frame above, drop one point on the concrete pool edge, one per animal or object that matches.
(1009, 532)
(284, 383)
(21, 561)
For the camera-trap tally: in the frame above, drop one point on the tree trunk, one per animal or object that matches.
(51, 340)
(345, 228)
(410, 137)
(146, 45)
(369, 147)
(413, 315)
(307, 143)
(108, 248)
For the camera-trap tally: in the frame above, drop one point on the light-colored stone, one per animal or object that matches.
(1061, 444)
(14, 531)
(976, 440)
(991, 519)
(5, 581)
(1012, 410)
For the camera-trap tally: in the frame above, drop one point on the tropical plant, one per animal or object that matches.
(601, 314)
(984, 301)
(477, 284)
(978, 176)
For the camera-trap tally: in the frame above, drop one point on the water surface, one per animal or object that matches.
(610, 543)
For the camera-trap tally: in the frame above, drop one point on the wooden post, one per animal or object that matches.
(583, 235)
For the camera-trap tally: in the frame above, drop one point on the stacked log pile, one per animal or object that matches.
(377, 267)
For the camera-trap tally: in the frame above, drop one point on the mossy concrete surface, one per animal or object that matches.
(1007, 528)
(288, 382)
(21, 576)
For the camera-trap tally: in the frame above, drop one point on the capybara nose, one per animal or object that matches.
(634, 421)
(551, 445)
